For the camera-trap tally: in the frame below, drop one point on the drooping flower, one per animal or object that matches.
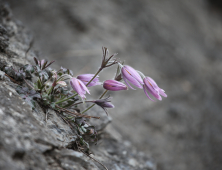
(114, 85)
(79, 87)
(104, 103)
(131, 75)
(151, 86)
(85, 78)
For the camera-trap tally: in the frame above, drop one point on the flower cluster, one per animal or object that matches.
(128, 74)
(138, 79)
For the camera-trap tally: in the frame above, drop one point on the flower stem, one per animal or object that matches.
(50, 90)
(66, 99)
(86, 85)
(28, 84)
(94, 76)
(77, 114)
(100, 69)
(103, 94)
(94, 104)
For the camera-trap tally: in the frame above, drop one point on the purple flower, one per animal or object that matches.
(79, 87)
(104, 103)
(151, 86)
(85, 78)
(131, 75)
(114, 85)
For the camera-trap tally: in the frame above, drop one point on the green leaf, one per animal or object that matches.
(10, 71)
(44, 75)
(19, 75)
(38, 68)
(29, 69)
(53, 105)
(28, 95)
(69, 103)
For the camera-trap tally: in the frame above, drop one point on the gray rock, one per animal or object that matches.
(176, 42)
(34, 140)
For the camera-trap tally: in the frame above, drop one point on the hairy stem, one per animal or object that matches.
(77, 114)
(65, 99)
(77, 104)
(94, 104)
(94, 76)
(50, 90)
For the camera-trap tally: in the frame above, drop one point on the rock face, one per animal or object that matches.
(29, 140)
(176, 42)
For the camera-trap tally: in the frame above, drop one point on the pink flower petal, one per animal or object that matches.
(114, 85)
(132, 76)
(144, 88)
(79, 87)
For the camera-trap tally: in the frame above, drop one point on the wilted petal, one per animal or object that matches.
(54, 74)
(114, 85)
(108, 105)
(62, 83)
(104, 104)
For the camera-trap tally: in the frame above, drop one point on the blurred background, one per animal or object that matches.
(176, 42)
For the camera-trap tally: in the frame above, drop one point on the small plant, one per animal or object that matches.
(50, 89)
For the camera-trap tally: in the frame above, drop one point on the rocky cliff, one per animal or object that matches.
(33, 140)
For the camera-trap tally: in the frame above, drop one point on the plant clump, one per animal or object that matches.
(61, 91)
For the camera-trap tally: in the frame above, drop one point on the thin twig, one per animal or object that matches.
(94, 76)
(30, 46)
(78, 103)
(68, 113)
(94, 159)
(77, 114)
(94, 104)
(70, 124)
(28, 84)
(67, 122)
(66, 99)
(12, 79)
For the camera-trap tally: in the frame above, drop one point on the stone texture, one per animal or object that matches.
(30, 140)
(176, 42)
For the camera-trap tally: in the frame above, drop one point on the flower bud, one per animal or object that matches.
(104, 103)
(114, 85)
